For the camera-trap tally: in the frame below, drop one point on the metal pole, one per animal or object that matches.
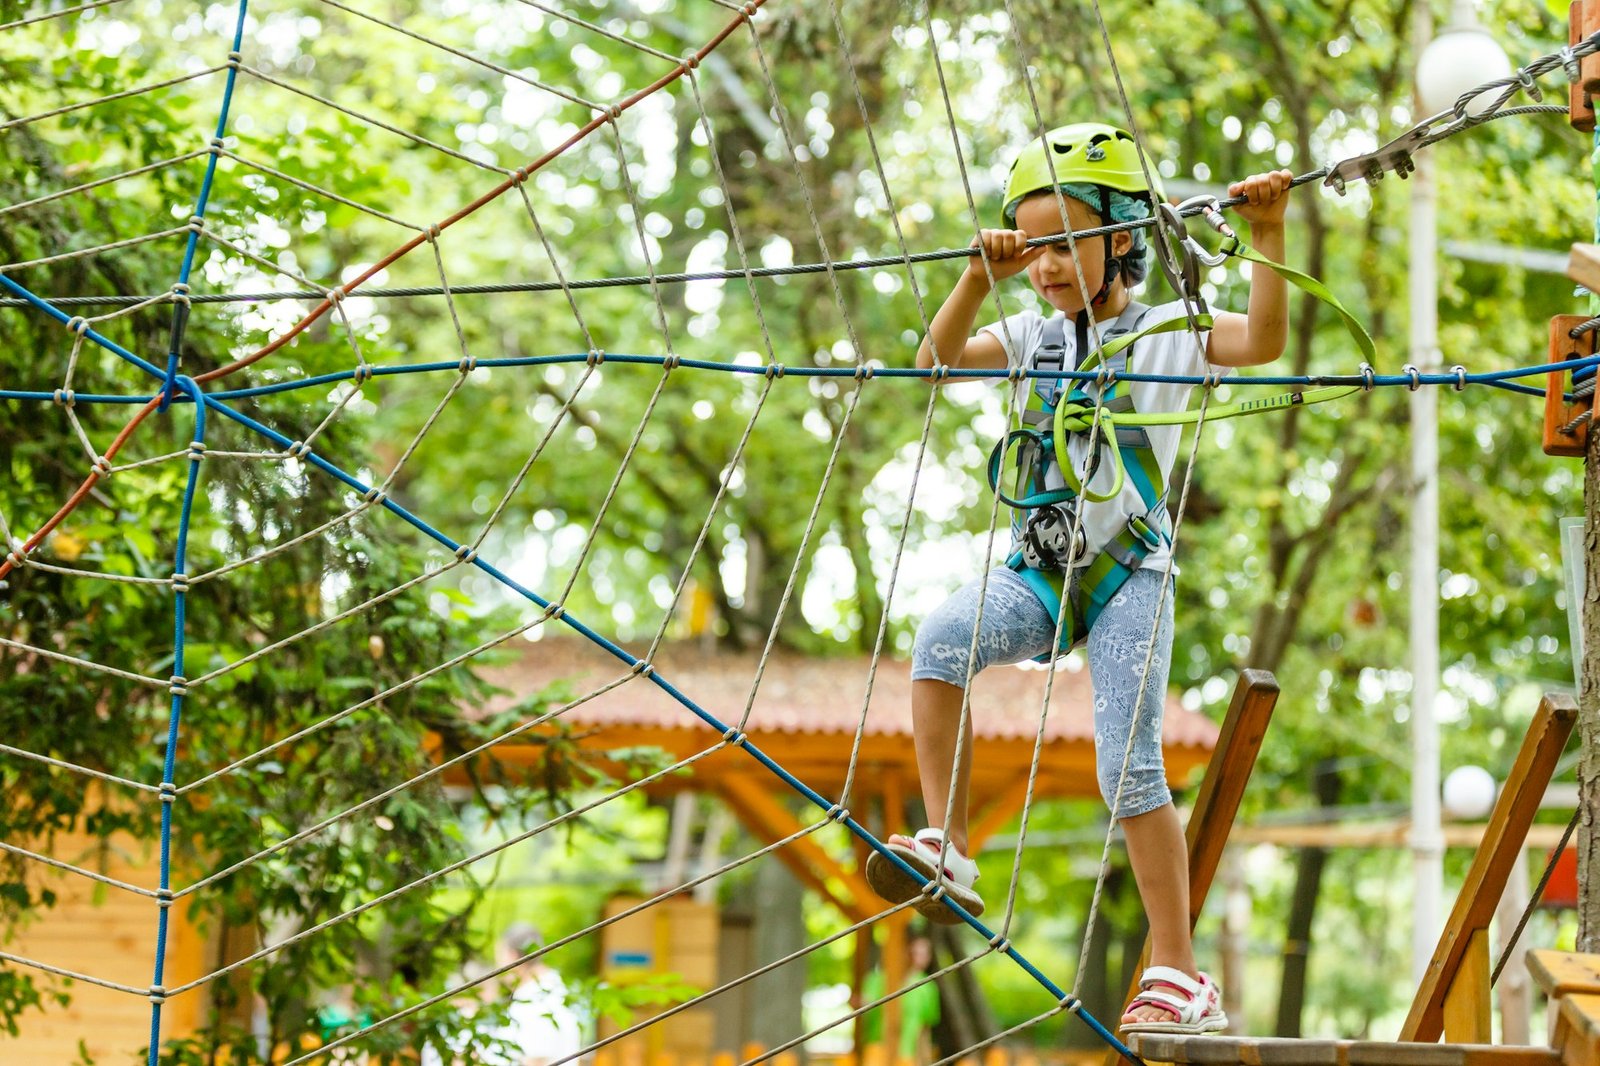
(1427, 839)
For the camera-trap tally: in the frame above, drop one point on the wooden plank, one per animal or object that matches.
(1502, 845)
(1560, 973)
(1283, 1051)
(1580, 109)
(1217, 805)
(1466, 1005)
(769, 821)
(1386, 833)
(1583, 265)
(1558, 413)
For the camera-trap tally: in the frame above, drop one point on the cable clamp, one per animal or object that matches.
(1461, 376)
(596, 357)
(1414, 374)
(178, 685)
(466, 553)
(732, 736)
(78, 324)
(64, 397)
(1569, 62)
(468, 364)
(1366, 377)
(1525, 79)
(102, 466)
(298, 450)
(180, 582)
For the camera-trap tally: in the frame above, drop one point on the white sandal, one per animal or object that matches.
(921, 853)
(1195, 1006)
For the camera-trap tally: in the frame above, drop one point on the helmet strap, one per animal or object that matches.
(1113, 265)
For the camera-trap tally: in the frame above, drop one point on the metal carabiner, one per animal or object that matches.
(1209, 209)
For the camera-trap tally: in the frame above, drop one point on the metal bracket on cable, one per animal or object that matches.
(1394, 156)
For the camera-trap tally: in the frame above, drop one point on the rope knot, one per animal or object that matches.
(642, 668)
(362, 373)
(180, 294)
(732, 736)
(691, 60)
(168, 792)
(774, 370)
(215, 145)
(158, 994)
(64, 397)
(750, 9)
(468, 364)
(555, 610)
(671, 362)
(298, 450)
(1214, 379)
(234, 59)
(164, 897)
(197, 222)
(939, 372)
(865, 371)
(1366, 377)
(433, 232)
(520, 175)
(934, 891)
(374, 495)
(102, 466)
(17, 559)
(1104, 376)
(596, 357)
(1017, 373)
(197, 450)
(78, 324)
(180, 582)
(466, 553)
(1461, 377)
(178, 685)
(837, 813)
(613, 113)
(335, 295)
(999, 943)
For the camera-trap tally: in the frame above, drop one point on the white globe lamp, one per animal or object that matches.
(1458, 60)
(1469, 793)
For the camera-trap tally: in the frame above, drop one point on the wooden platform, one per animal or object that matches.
(1278, 1051)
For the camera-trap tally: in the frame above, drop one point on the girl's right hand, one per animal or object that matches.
(1007, 251)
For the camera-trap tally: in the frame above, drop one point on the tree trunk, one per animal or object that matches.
(1589, 711)
(1302, 911)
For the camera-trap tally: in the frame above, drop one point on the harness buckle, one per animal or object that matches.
(1150, 535)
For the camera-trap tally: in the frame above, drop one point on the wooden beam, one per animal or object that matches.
(770, 821)
(1560, 973)
(1215, 808)
(1389, 833)
(1583, 266)
(1577, 1030)
(1494, 861)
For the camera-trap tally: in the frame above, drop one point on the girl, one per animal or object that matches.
(1102, 544)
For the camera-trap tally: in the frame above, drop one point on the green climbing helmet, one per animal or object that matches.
(1092, 152)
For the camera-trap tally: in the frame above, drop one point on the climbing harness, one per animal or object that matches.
(1052, 553)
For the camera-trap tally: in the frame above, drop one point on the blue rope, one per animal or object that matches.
(180, 291)
(168, 791)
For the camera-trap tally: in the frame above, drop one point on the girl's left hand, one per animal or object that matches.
(1266, 194)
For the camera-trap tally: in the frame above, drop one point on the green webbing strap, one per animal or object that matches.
(1308, 284)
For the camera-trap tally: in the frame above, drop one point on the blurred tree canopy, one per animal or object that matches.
(820, 133)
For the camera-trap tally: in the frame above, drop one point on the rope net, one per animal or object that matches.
(273, 637)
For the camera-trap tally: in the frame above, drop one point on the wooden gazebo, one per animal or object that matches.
(809, 714)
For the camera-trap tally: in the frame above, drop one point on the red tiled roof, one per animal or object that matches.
(808, 695)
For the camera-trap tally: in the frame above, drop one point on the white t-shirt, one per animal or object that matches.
(1177, 353)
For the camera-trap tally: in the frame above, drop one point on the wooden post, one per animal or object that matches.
(1461, 958)
(1217, 805)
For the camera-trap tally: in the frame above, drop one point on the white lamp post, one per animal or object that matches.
(1463, 56)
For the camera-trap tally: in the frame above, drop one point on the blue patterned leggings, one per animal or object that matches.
(1016, 626)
